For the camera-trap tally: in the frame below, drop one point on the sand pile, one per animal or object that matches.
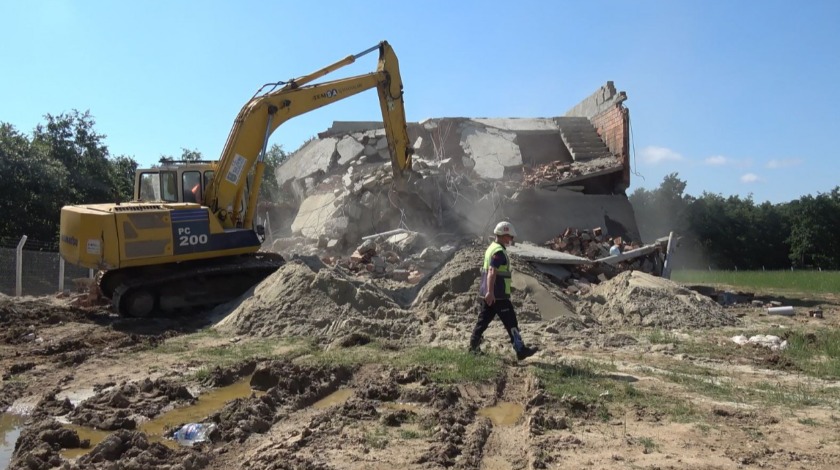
(308, 298)
(634, 298)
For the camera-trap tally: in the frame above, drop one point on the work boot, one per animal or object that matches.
(526, 352)
(476, 352)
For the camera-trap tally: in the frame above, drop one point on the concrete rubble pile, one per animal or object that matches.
(541, 174)
(594, 246)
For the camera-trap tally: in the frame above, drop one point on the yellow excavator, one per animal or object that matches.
(189, 238)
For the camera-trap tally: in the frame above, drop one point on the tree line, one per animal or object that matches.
(730, 232)
(65, 161)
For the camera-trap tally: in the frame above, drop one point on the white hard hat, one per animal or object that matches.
(505, 228)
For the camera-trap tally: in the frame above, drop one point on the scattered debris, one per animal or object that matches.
(774, 343)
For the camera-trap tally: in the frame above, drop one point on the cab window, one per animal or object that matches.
(191, 186)
(169, 186)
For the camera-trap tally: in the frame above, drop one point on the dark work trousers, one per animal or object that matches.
(504, 309)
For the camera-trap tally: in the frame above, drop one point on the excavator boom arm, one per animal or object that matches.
(259, 118)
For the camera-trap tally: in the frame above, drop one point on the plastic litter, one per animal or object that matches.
(192, 433)
(774, 343)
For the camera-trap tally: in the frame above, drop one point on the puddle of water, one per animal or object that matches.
(10, 427)
(207, 404)
(550, 308)
(503, 414)
(337, 397)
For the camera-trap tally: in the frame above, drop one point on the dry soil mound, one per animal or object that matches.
(634, 298)
(307, 298)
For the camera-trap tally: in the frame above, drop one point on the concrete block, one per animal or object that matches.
(314, 156)
(348, 149)
(491, 149)
(382, 143)
(370, 150)
(315, 211)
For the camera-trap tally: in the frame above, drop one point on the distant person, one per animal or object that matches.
(615, 250)
(495, 293)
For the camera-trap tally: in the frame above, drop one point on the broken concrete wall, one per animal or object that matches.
(545, 174)
(606, 111)
(541, 215)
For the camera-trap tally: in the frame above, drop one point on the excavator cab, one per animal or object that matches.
(180, 181)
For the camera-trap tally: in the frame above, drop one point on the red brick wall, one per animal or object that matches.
(613, 125)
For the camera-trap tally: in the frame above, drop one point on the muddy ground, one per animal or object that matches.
(337, 371)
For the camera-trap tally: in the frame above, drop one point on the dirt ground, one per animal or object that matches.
(349, 372)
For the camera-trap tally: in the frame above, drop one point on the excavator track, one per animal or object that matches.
(176, 288)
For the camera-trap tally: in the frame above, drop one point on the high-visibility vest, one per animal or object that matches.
(502, 271)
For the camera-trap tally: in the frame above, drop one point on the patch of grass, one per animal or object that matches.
(703, 428)
(587, 384)
(648, 444)
(453, 366)
(808, 421)
(754, 433)
(201, 374)
(708, 382)
(359, 355)
(790, 281)
(659, 336)
(816, 354)
(377, 438)
(410, 434)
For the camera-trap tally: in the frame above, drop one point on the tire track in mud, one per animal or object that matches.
(508, 441)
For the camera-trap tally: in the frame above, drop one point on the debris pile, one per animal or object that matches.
(307, 298)
(634, 298)
(465, 175)
(397, 255)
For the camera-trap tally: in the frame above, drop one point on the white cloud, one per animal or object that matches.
(717, 160)
(655, 155)
(750, 178)
(784, 163)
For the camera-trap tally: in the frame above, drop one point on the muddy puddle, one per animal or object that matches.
(207, 404)
(10, 427)
(338, 397)
(503, 414)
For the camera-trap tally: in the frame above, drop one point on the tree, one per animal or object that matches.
(123, 168)
(70, 139)
(274, 157)
(662, 210)
(33, 189)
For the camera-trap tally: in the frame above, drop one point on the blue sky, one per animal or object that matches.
(736, 96)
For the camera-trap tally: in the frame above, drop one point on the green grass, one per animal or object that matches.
(377, 438)
(710, 383)
(816, 354)
(808, 421)
(588, 383)
(454, 366)
(825, 282)
(648, 444)
(446, 366)
(189, 347)
(659, 336)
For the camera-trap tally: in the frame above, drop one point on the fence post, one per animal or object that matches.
(19, 266)
(60, 273)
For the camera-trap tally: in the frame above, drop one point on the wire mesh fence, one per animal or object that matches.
(40, 268)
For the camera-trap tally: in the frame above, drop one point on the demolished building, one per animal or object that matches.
(543, 174)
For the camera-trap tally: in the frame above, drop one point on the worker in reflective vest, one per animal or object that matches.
(495, 293)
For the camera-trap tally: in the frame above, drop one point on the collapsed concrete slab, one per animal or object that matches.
(542, 174)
